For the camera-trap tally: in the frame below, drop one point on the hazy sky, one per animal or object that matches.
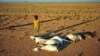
(50, 0)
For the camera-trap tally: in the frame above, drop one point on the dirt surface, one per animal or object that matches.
(16, 26)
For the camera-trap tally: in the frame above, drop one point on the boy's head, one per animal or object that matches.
(36, 17)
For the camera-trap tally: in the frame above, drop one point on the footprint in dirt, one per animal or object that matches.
(80, 54)
(2, 50)
(98, 40)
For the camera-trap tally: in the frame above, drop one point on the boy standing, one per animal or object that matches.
(36, 25)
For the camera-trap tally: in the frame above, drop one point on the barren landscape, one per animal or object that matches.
(16, 26)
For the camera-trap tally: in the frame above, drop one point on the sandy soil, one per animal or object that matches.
(16, 26)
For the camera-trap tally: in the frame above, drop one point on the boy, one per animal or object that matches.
(36, 25)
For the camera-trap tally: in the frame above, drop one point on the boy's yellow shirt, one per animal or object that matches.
(36, 23)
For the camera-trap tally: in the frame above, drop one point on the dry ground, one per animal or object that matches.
(16, 26)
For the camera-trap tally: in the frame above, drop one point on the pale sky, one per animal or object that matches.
(50, 0)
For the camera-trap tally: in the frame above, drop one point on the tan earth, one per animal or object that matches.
(16, 26)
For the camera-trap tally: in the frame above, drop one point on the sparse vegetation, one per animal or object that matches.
(16, 26)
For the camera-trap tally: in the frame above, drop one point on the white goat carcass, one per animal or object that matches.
(74, 38)
(51, 44)
(39, 40)
(46, 47)
(54, 40)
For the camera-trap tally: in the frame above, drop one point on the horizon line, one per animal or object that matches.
(50, 2)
